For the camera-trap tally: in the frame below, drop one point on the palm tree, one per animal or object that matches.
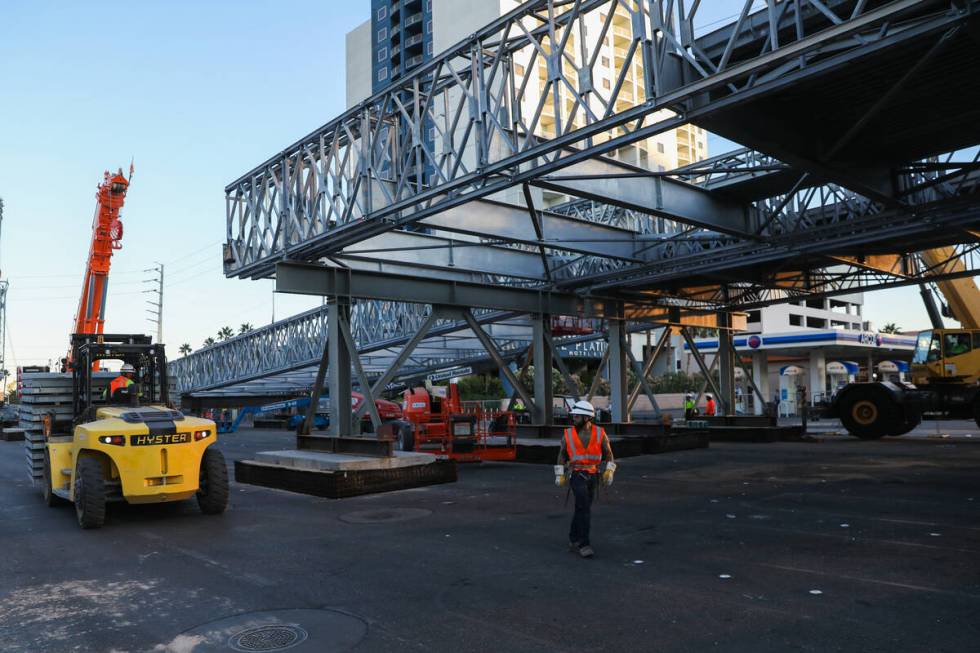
(244, 328)
(185, 349)
(225, 333)
(208, 342)
(891, 327)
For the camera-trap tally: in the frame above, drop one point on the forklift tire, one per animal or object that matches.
(406, 438)
(50, 498)
(89, 493)
(867, 412)
(212, 497)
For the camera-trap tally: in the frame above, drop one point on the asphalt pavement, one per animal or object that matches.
(834, 545)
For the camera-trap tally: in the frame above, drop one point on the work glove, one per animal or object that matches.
(561, 476)
(607, 474)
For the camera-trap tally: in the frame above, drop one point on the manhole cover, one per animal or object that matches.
(294, 631)
(268, 638)
(383, 516)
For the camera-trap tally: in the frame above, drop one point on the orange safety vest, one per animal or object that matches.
(585, 459)
(118, 383)
(709, 408)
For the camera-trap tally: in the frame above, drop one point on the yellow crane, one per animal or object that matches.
(945, 366)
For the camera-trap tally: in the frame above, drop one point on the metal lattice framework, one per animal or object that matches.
(461, 150)
(372, 169)
(296, 343)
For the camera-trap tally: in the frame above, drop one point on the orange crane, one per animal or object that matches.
(107, 232)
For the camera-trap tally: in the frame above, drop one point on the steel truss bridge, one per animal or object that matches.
(420, 213)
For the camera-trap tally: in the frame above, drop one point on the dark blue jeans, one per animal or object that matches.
(583, 487)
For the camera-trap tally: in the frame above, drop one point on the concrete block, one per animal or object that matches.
(321, 461)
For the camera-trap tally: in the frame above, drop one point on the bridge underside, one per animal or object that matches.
(861, 121)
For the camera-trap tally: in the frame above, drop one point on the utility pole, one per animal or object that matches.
(156, 312)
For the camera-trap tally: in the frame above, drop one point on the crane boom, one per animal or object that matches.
(107, 232)
(962, 294)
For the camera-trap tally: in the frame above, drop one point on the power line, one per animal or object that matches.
(52, 299)
(197, 251)
(66, 274)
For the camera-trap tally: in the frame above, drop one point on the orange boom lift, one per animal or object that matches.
(107, 232)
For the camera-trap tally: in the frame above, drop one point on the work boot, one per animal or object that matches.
(586, 551)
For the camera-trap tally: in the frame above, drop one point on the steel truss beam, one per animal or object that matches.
(371, 170)
(306, 279)
(636, 189)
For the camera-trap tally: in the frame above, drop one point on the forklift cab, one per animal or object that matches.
(148, 360)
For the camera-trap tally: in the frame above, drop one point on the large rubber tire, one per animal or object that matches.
(909, 423)
(89, 492)
(212, 495)
(406, 438)
(867, 412)
(50, 498)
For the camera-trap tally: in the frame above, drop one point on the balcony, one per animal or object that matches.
(415, 39)
(414, 61)
(413, 21)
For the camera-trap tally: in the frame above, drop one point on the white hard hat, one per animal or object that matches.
(707, 395)
(127, 368)
(690, 394)
(583, 408)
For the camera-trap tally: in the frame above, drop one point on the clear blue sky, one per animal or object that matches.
(198, 93)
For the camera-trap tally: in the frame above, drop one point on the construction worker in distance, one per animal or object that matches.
(710, 408)
(689, 410)
(584, 446)
(121, 382)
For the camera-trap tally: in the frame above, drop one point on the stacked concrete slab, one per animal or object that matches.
(48, 393)
(332, 467)
(12, 435)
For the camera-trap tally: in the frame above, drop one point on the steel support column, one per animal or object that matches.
(543, 412)
(760, 372)
(339, 372)
(618, 362)
(726, 367)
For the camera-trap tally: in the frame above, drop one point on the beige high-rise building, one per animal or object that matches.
(377, 53)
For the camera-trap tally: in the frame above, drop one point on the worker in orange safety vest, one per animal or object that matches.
(584, 446)
(121, 382)
(710, 407)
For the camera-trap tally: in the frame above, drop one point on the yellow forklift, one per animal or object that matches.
(129, 445)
